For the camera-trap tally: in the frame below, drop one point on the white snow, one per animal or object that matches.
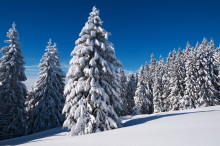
(195, 127)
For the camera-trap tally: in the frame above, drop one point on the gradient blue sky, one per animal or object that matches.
(138, 27)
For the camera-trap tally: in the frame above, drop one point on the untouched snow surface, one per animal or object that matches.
(195, 127)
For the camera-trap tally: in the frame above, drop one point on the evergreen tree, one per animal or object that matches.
(60, 74)
(206, 95)
(166, 80)
(158, 88)
(123, 90)
(92, 91)
(46, 100)
(217, 70)
(181, 71)
(217, 56)
(13, 116)
(188, 100)
(177, 84)
(152, 67)
(142, 94)
(147, 78)
(131, 87)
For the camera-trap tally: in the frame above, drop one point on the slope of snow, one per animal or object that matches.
(195, 127)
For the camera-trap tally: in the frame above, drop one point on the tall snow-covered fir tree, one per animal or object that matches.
(166, 80)
(158, 87)
(131, 87)
(92, 91)
(60, 74)
(152, 67)
(142, 97)
(214, 72)
(123, 92)
(206, 95)
(217, 69)
(188, 100)
(46, 100)
(13, 116)
(147, 78)
(177, 78)
(217, 57)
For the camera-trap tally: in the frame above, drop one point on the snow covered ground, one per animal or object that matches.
(195, 127)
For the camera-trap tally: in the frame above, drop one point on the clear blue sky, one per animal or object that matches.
(138, 27)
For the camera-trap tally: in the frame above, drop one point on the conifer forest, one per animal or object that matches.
(95, 92)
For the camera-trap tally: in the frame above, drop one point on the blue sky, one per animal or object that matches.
(138, 28)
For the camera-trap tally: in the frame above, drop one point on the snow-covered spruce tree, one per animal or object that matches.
(92, 91)
(177, 85)
(206, 95)
(13, 116)
(152, 71)
(60, 74)
(131, 87)
(142, 94)
(181, 71)
(158, 100)
(215, 72)
(123, 92)
(46, 100)
(147, 78)
(188, 100)
(217, 69)
(217, 57)
(166, 80)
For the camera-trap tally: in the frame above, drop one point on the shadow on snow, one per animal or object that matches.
(138, 121)
(32, 137)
